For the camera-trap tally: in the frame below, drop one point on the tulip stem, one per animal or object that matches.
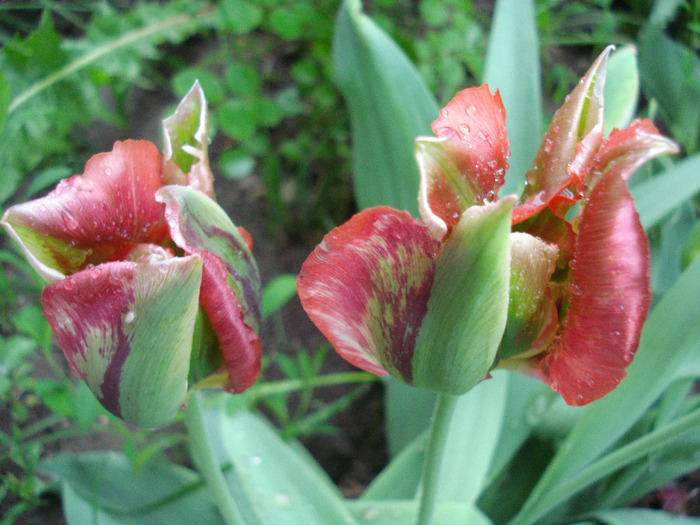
(442, 417)
(205, 458)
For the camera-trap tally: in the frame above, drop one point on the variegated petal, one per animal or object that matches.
(532, 313)
(186, 143)
(367, 285)
(198, 224)
(459, 337)
(126, 330)
(569, 145)
(89, 219)
(466, 164)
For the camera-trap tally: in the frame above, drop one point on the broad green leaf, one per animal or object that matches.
(664, 11)
(637, 517)
(400, 478)
(657, 197)
(527, 404)
(621, 89)
(102, 488)
(272, 483)
(663, 348)
(402, 512)
(671, 75)
(472, 439)
(513, 67)
(4, 99)
(407, 413)
(277, 292)
(389, 107)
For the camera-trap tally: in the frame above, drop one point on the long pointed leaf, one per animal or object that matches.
(513, 66)
(389, 107)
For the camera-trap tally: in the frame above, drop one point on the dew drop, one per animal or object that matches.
(129, 317)
(283, 500)
(370, 513)
(471, 110)
(548, 144)
(70, 221)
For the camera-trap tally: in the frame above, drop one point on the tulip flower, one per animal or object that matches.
(555, 285)
(151, 288)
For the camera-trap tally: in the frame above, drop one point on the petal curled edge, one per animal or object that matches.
(198, 224)
(466, 165)
(609, 298)
(240, 346)
(627, 149)
(186, 142)
(126, 329)
(569, 145)
(367, 285)
(89, 218)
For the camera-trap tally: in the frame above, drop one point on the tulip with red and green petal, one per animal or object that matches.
(555, 285)
(151, 288)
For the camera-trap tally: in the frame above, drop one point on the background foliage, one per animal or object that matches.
(77, 75)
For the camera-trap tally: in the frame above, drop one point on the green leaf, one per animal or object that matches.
(470, 289)
(4, 99)
(513, 66)
(621, 89)
(271, 481)
(663, 348)
(102, 487)
(389, 107)
(239, 16)
(400, 478)
(671, 75)
(407, 413)
(403, 512)
(657, 197)
(636, 517)
(472, 439)
(277, 292)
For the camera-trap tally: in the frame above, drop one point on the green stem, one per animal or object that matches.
(207, 463)
(292, 385)
(442, 417)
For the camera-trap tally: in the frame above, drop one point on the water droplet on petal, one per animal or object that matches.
(283, 500)
(129, 317)
(471, 110)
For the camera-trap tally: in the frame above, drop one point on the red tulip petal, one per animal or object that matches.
(569, 144)
(628, 149)
(609, 297)
(126, 329)
(467, 163)
(367, 285)
(88, 218)
(240, 346)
